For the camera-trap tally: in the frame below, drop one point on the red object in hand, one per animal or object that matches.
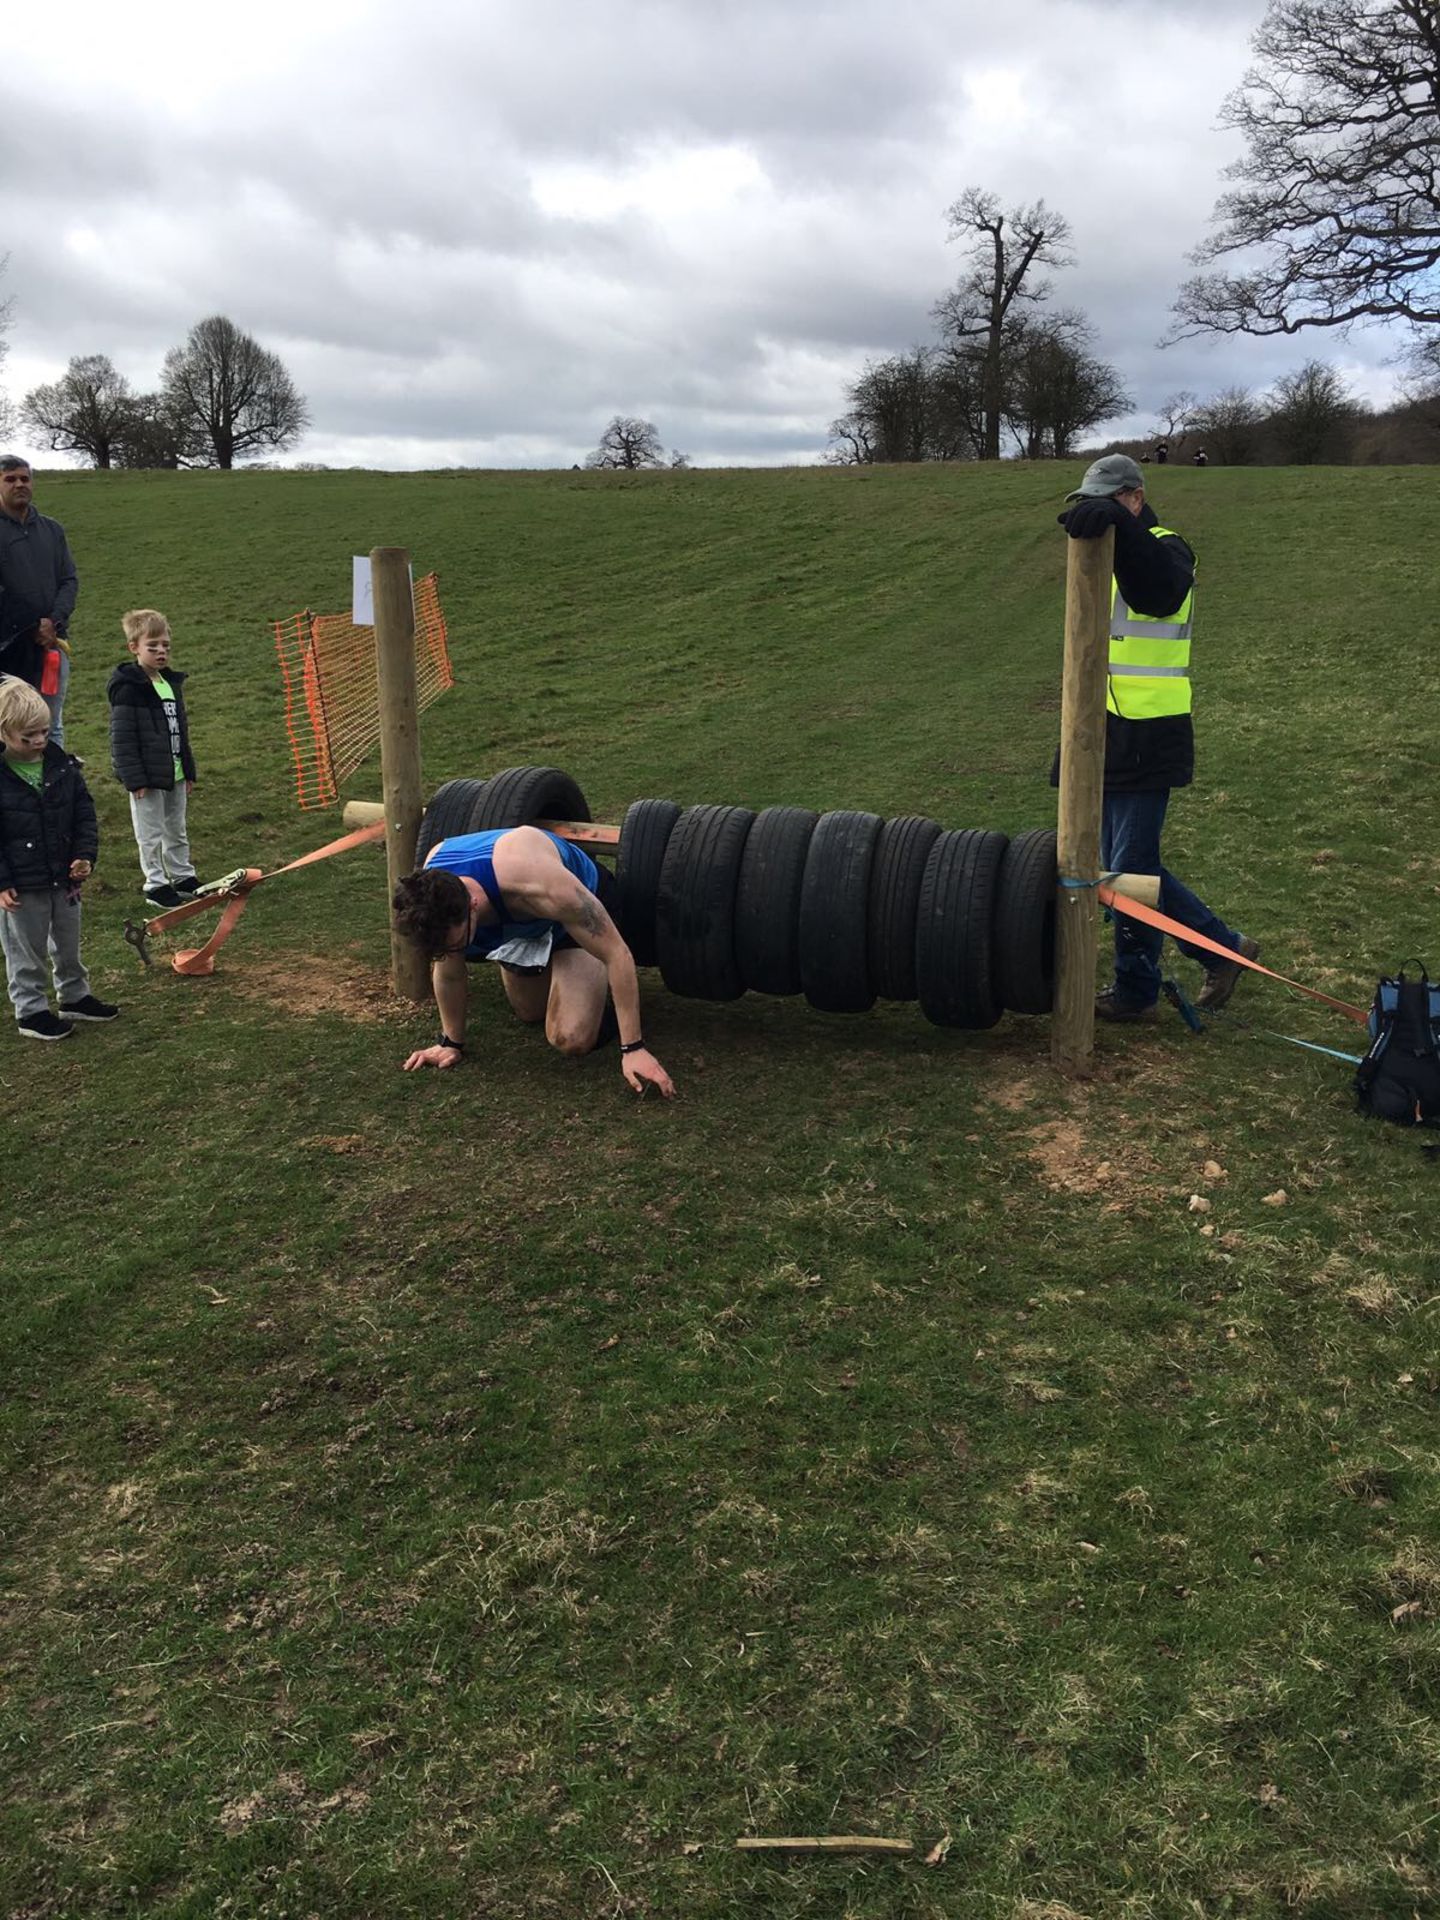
(50, 672)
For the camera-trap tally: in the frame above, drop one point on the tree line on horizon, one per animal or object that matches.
(221, 397)
(1335, 217)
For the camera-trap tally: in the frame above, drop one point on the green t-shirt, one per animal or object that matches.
(32, 771)
(167, 700)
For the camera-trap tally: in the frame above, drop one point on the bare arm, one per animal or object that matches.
(551, 892)
(451, 986)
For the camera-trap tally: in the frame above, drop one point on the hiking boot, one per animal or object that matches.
(44, 1026)
(164, 896)
(187, 886)
(1110, 1005)
(1220, 979)
(88, 1009)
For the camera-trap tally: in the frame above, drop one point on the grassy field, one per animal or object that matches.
(489, 1495)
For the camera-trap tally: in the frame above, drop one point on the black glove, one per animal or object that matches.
(1088, 519)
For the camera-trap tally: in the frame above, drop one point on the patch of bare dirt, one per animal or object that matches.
(1013, 1095)
(1070, 1163)
(314, 983)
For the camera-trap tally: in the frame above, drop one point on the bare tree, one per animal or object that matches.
(1420, 379)
(233, 396)
(910, 407)
(850, 442)
(1006, 245)
(627, 444)
(1338, 194)
(7, 307)
(1055, 388)
(1229, 424)
(155, 435)
(85, 411)
(1313, 415)
(1174, 414)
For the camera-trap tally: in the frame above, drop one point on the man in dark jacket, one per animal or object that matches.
(38, 590)
(1149, 737)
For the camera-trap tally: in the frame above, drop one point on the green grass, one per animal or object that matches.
(489, 1495)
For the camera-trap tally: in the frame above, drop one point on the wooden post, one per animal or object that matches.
(1082, 778)
(399, 746)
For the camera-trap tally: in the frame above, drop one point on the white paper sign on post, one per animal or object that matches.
(362, 612)
(362, 602)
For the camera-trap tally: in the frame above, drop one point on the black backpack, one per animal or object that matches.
(1399, 1078)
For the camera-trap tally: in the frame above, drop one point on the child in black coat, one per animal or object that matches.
(48, 843)
(150, 752)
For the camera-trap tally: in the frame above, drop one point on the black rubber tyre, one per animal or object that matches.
(644, 835)
(1025, 923)
(767, 905)
(900, 855)
(522, 794)
(955, 930)
(834, 912)
(695, 903)
(449, 812)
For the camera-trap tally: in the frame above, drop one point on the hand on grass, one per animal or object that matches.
(642, 1070)
(441, 1057)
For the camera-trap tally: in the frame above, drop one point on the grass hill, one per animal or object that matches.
(487, 1494)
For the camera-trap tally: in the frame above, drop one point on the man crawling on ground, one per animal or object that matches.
(534, 904)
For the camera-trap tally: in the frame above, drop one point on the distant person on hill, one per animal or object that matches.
(48, 844)
(38, 590)
(1149, 738)
(1201, 457)
(1162, 453)
(150, 753)
(535, 904)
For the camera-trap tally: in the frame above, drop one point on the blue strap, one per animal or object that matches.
(1355, 1059)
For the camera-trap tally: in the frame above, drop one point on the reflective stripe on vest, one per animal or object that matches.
(1151, 657)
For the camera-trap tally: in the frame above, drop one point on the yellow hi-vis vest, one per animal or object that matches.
(1149, 674)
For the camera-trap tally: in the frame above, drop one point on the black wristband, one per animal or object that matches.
(446, 1041)
(632, 1046)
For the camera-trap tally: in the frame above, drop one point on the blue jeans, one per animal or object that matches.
(1130, 843)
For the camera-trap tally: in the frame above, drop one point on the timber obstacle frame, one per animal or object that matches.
(1089, 571)
(1090, 565)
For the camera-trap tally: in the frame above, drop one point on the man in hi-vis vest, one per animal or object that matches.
(1149, 740)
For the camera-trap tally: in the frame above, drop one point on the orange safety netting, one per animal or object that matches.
(332, 702)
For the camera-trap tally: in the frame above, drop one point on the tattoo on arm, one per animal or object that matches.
(590, 915)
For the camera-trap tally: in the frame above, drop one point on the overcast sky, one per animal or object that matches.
(475, 231)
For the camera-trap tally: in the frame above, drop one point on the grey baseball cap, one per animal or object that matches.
(1110, 474)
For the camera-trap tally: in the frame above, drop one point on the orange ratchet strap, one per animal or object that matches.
(235, 890)
(1118, 903)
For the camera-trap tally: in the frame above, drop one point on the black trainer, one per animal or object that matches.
(44, 1026)
(88, 1009)
(190, 884)
(164, 896)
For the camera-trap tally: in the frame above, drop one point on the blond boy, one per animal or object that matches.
(48, 844)
(150, 752)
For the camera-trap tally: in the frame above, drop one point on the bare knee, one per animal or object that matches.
(567, 1037)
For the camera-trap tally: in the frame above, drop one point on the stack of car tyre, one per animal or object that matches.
(844, 908)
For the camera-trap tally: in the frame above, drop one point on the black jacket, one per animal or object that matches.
(42, 831)
(38, 580)
(139, 732)
(1154, 576)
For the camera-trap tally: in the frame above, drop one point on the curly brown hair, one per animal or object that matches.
(428, 906)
